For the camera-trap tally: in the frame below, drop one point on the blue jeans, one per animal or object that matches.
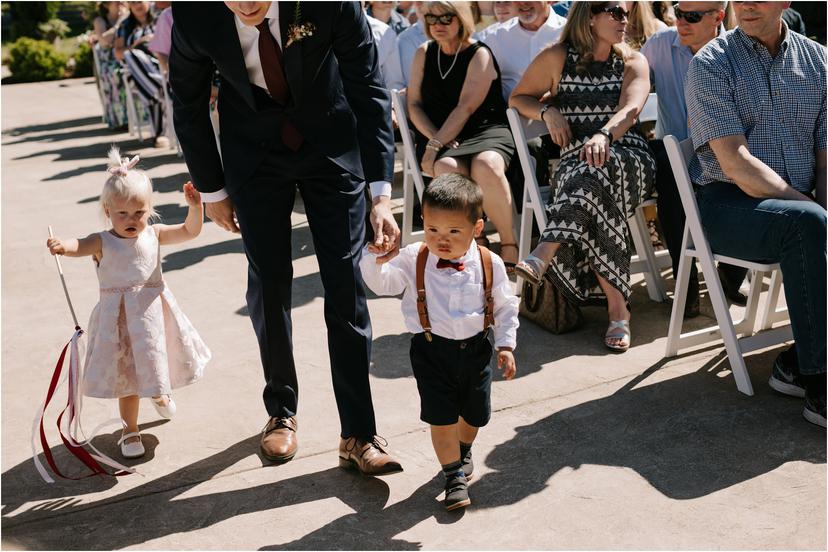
(791, 233)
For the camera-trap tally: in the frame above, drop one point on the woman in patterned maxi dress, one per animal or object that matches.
(598, 87)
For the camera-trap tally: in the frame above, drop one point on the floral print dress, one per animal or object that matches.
(140, 343)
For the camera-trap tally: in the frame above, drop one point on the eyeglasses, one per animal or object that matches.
(616, 12)
(442, 19)
(691, 16)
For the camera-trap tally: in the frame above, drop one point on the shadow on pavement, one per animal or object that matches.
(688, 436)
(61, 125)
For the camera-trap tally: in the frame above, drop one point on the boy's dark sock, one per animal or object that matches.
(453, 469)
(466, 459)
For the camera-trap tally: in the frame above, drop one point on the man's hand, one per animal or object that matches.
(222, 213)
(386, 231)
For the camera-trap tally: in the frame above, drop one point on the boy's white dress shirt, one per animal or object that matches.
(454, 297)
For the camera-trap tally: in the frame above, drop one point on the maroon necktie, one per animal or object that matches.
(443, 263)
(270, 56)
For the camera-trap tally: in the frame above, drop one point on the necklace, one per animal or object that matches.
(440, 69)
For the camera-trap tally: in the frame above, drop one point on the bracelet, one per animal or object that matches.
(606, 133)
(543, 110)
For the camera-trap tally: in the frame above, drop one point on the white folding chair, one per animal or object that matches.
(694, 245)
(649, 112)
(534, 208)
(412, 177)
(169, 128)
(96, 64)
(135, 119)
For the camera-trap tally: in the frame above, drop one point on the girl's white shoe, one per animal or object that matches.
(164, 410)
(134, 449)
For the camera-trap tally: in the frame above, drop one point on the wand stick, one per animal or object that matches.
(63, 281)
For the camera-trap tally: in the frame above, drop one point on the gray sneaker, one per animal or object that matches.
(468, 465)
(785, 378)
(457, 492)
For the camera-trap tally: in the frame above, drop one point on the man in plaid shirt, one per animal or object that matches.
(756, 102)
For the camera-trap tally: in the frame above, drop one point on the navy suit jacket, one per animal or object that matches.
(338, 102)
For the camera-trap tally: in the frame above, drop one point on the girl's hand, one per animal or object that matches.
(191, 195)
(506, 363)
(454, 144)
(558, 127)
(596, 150)
(55, 246)
(427, 163)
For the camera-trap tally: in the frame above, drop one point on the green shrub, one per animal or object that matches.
(53, 29)
(83, 60)
(35, 60)
(26, 16)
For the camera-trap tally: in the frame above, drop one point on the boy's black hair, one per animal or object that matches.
(455, 192)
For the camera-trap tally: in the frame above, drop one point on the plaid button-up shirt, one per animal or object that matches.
(735, 87)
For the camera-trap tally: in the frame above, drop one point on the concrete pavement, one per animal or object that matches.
(586, 449)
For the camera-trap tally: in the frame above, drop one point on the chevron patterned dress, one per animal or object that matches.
(589, 209)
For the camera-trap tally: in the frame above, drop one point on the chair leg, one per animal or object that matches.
(769, 312)
(644, 248)
(679, 299)
(728, 332)
(408, 207)
(748, 322)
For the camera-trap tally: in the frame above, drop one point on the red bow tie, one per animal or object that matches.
(442, 263)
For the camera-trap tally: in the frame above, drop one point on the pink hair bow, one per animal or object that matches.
(126, 164)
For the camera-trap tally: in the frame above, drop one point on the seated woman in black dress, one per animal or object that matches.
(456, 103)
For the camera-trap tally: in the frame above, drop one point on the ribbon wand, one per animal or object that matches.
(73, 407)
(63, 281)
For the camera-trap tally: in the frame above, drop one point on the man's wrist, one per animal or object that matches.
(213, 197)
(504, 348)
(380, 189)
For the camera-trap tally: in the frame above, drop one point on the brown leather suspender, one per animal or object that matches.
(488, 301)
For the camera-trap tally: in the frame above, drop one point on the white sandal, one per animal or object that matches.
(164, 410)
(134, 449)
(618, 330)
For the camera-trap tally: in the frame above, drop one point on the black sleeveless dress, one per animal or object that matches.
(589, 210)
(487, 128)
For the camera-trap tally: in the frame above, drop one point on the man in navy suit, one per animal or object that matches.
(301, 104)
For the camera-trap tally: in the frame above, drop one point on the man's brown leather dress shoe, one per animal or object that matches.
(367, 457)
(279, 442)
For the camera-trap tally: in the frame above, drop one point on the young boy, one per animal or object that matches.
(455, 295)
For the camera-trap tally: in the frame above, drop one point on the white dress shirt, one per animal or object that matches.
(249, 41)
(386, 40)
(454, 297)
(514, 47)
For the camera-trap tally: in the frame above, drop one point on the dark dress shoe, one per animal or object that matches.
(367, 457)
(279, 442)
(732, 278)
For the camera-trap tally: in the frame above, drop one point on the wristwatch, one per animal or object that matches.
(543, 110)
(606, 133)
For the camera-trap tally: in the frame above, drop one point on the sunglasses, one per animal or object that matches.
(442, 19)
(616, 12)
(691, 16)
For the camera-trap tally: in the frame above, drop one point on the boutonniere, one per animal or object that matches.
(299, 30)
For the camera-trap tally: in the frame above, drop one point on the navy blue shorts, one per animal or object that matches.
(454, 378)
